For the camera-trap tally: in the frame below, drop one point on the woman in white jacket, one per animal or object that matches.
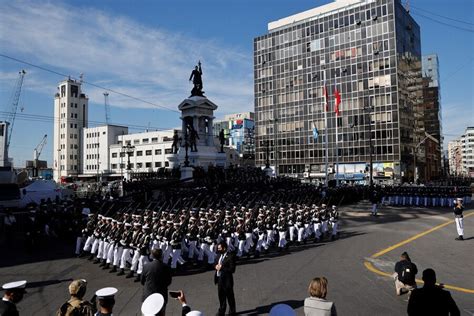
(316, 304)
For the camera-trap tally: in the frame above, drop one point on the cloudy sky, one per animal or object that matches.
(147, 49)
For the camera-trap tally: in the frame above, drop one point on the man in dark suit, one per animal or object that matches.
(224, 279)
(431, 299)
(156, 278)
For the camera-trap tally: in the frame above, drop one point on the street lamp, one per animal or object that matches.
(129, 149)
(369, 109)
(267, 160)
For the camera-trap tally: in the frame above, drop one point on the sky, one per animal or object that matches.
(147, 49)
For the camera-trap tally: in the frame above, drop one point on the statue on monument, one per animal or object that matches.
(222, 140)
(193, 137)
(196, 78)
(176, 141)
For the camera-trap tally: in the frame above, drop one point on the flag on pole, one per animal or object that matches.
(338, 101)
(326, 98)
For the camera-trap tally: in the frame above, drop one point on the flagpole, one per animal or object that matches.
(326, 136)
(337, 153)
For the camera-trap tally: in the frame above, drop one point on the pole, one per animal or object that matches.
(371, 166)
(325, 108)
(337, 154)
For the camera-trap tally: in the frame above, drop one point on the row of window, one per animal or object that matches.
(94, 134)
(93, 156)
(345, 19)
(149, 152)
(71, 136)
(94, 145)
(72, 167)
(157, 164)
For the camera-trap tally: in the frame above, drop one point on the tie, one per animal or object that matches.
(221, 259)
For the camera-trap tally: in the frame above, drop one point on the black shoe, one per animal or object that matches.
(459, 238)
(122, 272)
(106, 266)
(96, 261)
(114, 269)
(103, 263)
(130, 275)
(91, 256)
(137, 278)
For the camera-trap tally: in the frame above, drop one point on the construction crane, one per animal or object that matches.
(16, 99)
(36, 154)
(107, 108)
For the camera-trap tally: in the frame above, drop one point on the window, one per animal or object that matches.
(114, 166)
(167, 164)
(122, 154)
(114, 155)
(145, 141)
(157, 151)
(136, 141)
(139, 153)
(154, 140)
(148, 152)
(139, 165)
(158, 164)
(168, 151)
(148, 164)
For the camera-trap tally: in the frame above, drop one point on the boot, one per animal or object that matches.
(96, 261)
(91, 256)
(130, 274)
(122, 272)
(138, 278)
(102, 264)
(114, 269)
(106, 266)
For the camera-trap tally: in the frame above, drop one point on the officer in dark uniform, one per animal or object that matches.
(14, 292)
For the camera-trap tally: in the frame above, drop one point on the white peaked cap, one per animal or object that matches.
(14, 285)
(282, 310)
(106, 292)
(152, 304)
(195, 313)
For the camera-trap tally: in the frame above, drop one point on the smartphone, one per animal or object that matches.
(175, 294)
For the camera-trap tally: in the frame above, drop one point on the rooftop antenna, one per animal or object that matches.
(407, 6)
(81, 77)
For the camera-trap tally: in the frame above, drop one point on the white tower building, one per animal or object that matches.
(70, 118)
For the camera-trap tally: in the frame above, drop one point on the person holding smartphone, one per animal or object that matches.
(186, 309)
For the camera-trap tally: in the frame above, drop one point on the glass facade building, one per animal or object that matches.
(369, 50)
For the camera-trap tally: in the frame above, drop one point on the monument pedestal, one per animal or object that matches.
(197, 116)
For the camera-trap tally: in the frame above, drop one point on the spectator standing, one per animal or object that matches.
(405, 272)
(374, 199)
(10, 222)
(14, 292)
(431, 299)
(224, 279)
(316, 304)
(156, 278)
(76, 306)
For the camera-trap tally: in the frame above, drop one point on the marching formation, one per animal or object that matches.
(191, 235)
(425, 196)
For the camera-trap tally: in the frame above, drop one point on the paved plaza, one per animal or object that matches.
(355, 265)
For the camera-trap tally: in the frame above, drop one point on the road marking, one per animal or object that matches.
(371, 267)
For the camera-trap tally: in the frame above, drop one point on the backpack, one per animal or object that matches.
(77, 308)
(407, 275)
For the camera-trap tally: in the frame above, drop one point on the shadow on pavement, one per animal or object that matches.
(36, 284)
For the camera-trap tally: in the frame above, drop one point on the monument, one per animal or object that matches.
(197, 145)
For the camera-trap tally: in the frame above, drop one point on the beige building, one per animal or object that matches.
(70, 118)
(455, 157)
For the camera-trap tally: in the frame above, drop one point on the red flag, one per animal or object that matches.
(338, 101)
(326, 98)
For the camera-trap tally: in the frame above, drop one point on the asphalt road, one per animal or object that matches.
(262, 283)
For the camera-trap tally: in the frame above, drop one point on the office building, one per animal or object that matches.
(370, 52)
(97, 142)
(150, 151)
(3, 144)
(239, 130)
(455, 157)
(70, 118)
(467, 144)
(432, 115)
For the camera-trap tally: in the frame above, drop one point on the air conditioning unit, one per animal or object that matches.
(358, 22)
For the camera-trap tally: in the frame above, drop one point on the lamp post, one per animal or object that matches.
(129, 149)
(267, 160)
(371, 149)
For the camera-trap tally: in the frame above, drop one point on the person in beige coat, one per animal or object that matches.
(316, 304)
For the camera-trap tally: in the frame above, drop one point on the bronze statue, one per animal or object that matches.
(176, 141)
(193, 136)
(196, 78)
